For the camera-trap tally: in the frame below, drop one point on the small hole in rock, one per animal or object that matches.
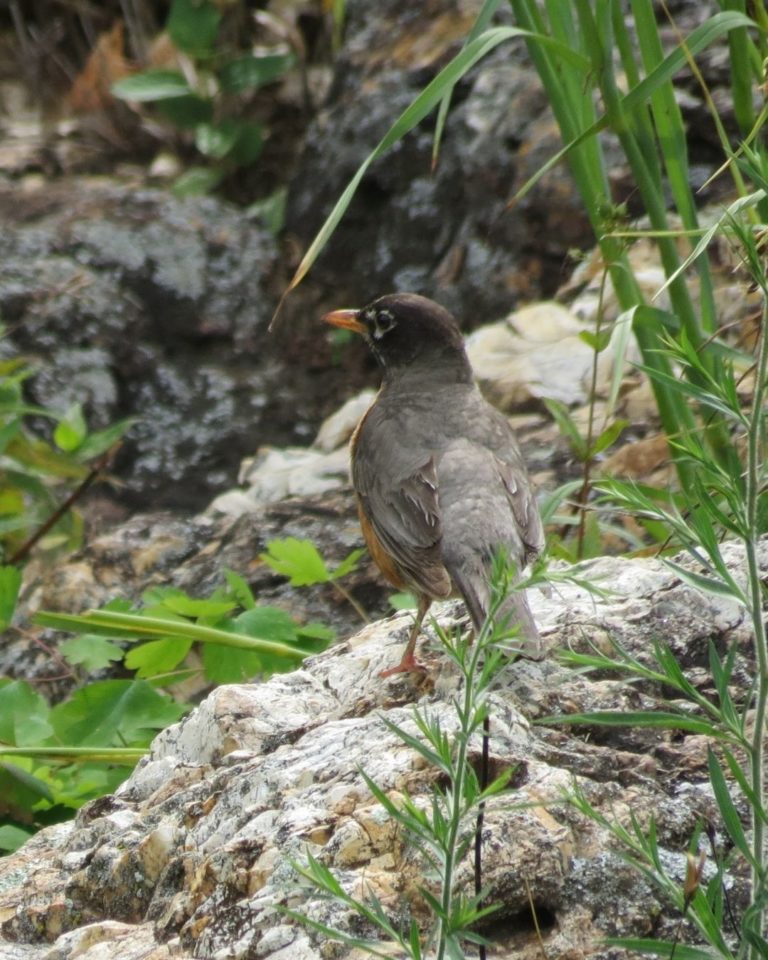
(520, 924)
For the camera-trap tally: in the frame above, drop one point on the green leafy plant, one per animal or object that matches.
(444, 830)
(207, 96)
(41, 479)
(256, 641)
(717, 502)
(53, 759)
(302, 563)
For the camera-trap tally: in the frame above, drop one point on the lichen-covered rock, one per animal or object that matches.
(195, 855)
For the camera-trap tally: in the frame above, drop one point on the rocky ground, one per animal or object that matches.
(140, 304)
(193, 855)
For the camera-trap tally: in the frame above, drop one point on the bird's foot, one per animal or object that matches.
(409, 664)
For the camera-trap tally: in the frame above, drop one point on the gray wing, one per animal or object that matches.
(499, 439)
(398, 497)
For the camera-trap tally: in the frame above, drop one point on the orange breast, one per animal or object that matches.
(380, 555)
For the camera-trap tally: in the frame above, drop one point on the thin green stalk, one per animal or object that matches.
(588, 462)
(124, 755)
(468, 714)
(668, 120)
(571, 99)
(753, 481)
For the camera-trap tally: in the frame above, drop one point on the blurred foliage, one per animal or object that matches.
(206, 90)
(37, 474)
(55, 758)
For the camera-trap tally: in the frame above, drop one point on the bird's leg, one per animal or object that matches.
(409, 663)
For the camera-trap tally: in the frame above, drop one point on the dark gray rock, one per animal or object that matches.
(450, 234)
(138, 304)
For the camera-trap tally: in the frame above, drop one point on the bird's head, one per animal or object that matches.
(405, 331)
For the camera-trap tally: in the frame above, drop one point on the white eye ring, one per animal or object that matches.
(383, 323)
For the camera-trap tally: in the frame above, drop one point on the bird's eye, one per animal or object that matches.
(383, 322)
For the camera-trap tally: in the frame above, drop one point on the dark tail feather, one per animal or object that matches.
(515, 611)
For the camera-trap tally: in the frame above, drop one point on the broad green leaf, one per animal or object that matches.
(11, 837)
(250, 72)
(24, 715)
(193, 25)
(347, 565)
(99, 441)
(20, 788)
(156, 595)
(91, 652)
(271, 211)
(43, 458)
(215, 140)
(186, 112)
(597, 340)
(269, 623)
(10, 582)
(299, 560)
(403, 601)
(240, 589)
(187, 606)
(71, 430)
(315, 637)
(608, 437)
(152, 85)
(249, 143)
(225, 665)
(157, 657)
(11, 501)
(198, 181)
(114, 713)
(8, 431)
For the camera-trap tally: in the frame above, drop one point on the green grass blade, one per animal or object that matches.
(128, 756)
(133, 626)
(699, 39)
(621, 718)
(427, 100)
(487, 11)
(727, 808)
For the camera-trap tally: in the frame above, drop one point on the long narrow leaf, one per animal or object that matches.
(621, 718)
(701, 38)
(112, 623)
(427, 100)
(487, 11)
(727, 809)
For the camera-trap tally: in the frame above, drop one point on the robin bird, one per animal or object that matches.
(440, 481)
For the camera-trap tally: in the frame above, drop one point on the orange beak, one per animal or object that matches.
(348, 319)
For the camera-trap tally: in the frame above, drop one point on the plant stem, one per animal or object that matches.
(455, 794)
(587, 476)
(94, 474)
(358, 607)
(753, 480)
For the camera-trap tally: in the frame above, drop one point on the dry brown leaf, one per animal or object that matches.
(105, 65)
(639, 459)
